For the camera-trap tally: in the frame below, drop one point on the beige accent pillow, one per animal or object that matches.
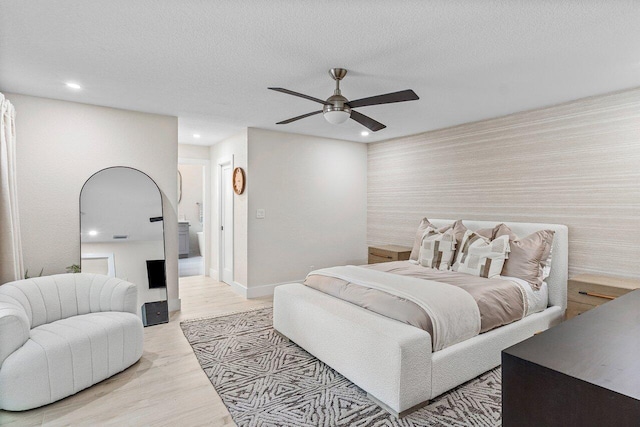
(437, 249)
(417, 241)
(480, 256)
(487, 233)
(546, 265)
(459, 229)
(529, 257)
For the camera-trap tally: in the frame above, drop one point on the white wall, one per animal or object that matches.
(60, 145)
(235, 146)
(190, 151)
(314, 192)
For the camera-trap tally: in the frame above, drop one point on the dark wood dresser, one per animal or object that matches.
(583, 372)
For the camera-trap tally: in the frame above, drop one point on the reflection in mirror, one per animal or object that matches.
(99, 264)
(122, 235)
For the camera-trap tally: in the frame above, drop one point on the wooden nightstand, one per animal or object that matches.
(598, 289)
(386, 253)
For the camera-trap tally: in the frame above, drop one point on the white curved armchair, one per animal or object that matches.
(61, 334)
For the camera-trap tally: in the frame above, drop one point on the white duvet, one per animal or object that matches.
(537, 299)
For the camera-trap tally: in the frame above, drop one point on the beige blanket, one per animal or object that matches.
(453, 312)
(499, 301)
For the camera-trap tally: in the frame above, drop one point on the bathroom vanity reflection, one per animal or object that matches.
(122, 235)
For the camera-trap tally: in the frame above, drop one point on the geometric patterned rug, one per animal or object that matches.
(265, 380)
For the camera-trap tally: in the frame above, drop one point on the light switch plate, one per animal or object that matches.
(260, 213)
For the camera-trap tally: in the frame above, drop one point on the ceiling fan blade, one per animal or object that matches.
(301, 95)
(388, 98)
(366, 121)
(284, 122)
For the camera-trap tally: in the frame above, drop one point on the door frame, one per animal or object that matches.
(222, 162)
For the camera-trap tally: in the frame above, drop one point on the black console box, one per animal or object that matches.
(154, 313)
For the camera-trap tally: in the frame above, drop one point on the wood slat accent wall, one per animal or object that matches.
(576, 164)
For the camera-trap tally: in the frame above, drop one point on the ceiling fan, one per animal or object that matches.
(337, 109)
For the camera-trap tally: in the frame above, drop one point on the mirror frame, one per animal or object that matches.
(164, 242)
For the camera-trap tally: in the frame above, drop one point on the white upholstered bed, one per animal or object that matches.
(392, 361)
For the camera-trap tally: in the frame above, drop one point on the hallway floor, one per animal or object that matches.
(192, 266)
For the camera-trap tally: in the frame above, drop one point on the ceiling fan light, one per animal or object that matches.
(336, 117)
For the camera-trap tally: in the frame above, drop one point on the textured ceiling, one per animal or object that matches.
(210, 62)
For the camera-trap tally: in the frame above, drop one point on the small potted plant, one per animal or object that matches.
(73, 268)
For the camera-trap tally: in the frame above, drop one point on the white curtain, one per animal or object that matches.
(11, 264)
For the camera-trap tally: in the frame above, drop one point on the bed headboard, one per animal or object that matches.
(557, 280)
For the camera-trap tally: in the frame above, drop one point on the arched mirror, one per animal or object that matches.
(122, 235)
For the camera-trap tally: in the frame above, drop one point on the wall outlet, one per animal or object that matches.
(260, 213)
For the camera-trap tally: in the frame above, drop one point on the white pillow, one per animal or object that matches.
(437, 249)
(480, 256)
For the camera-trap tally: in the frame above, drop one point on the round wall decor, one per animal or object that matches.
(238, 180)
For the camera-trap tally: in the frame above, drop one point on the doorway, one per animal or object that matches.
(192, 217)
(225, 215)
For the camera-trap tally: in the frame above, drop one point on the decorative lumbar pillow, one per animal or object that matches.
(529, 258)
(415, 251)
(417, 241)
(437, 249)
(480, 256)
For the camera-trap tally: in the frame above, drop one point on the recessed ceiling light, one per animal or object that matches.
(93, 233)
(364, 133)
(72, 85)
(196, 135)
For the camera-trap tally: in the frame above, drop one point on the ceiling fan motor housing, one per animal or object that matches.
(337, 103)
(336, 110)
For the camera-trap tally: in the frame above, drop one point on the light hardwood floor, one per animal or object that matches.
(166, 387)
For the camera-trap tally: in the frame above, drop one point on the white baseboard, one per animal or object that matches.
(239, 289)
(257, 291)
(266, 290)
(174, 305)
(214, 274)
